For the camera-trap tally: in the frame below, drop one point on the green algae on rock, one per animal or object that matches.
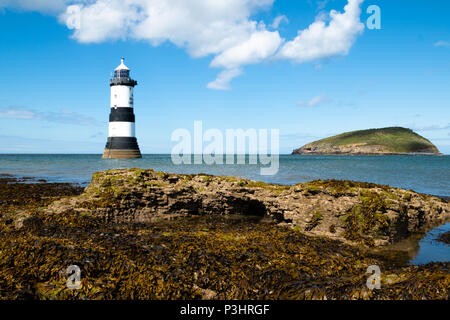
(345, 210)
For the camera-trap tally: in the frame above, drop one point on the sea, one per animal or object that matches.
(423, 174)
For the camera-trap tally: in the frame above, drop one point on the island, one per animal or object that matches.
(384, 141)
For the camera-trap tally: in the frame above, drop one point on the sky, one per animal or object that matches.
(309, 68)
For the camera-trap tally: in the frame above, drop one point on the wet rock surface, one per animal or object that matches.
(445, 238)
(349, 211)
(142, 235)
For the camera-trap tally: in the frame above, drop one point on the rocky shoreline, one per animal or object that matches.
(357, 150)
(141, 234)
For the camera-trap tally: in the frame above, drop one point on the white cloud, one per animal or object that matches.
(102, 20)
(260, 46)
(433, 127)
(62, 116)
(17, 144)
(203, 27)
(321, 40)
(278, 20)
(223, 80)
(442, 44)
(13, 113)
(322, 4)
(314, 102)
(223, 29)
(46, 6)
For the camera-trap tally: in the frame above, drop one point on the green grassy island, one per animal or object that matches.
(389, 141)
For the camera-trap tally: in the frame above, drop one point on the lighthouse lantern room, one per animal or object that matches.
(122, 142)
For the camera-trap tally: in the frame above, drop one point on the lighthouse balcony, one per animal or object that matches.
(122, 82)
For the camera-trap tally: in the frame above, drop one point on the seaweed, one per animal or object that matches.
(315, 220)
(367, 218)
(445, 237)
(197, 257)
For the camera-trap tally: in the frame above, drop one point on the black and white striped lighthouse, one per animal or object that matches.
(122, 142)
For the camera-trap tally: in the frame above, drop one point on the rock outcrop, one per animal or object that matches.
(330, 149)
(345, 210)
(211, 256)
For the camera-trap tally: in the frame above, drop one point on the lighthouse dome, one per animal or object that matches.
(122, 66)
(122, 71)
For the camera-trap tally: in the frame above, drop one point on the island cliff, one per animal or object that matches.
(385, 141)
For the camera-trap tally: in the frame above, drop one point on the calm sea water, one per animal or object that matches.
(432, 250)
(424, 174)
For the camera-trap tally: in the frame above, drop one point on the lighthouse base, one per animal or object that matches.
(122, 148)
(121, 154)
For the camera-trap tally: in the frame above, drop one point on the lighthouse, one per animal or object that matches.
(122, 142)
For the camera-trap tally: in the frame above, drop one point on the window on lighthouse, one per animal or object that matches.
(122, 73)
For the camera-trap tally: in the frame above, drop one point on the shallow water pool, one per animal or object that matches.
(432, 250)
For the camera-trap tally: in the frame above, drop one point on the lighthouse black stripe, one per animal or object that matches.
(122, 114)
(129, 143)
(122, 82)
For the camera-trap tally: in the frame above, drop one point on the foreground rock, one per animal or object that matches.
(192, 257)
(345, 210)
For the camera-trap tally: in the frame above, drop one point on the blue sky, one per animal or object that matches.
(54, 93)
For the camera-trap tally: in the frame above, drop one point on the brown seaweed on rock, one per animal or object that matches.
(445, 238)
(187, 257)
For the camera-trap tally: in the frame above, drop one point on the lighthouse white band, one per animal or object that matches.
(121, 129)
(121, 96)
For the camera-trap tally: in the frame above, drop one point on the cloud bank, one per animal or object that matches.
(442, 44)
(429, 127)
(314, 102)
(278, 20)
(223, 29)
(324, 40)
(62, 116)
(45, 6)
